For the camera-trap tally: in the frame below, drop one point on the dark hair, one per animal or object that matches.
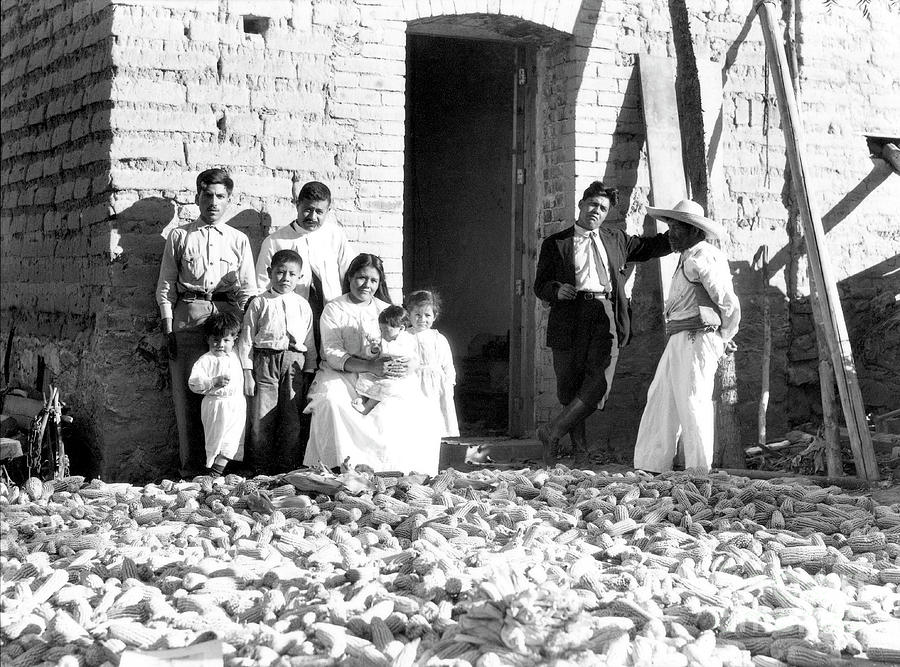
(314, 191)
(284, 256)
(214, 176)
(423, 297)
(365, 260)
(222, 323)
(394, 316)
(597, 189)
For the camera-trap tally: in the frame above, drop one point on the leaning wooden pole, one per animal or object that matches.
(819, 262)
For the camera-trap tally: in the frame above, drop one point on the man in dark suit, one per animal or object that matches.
(581, 273)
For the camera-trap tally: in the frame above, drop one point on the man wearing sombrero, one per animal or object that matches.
(702, 315)
(581, 274)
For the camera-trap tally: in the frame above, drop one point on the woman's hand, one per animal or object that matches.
(392, 367)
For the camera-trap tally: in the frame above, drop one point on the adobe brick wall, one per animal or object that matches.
(111, 108)
(848, 88)
(55, 253)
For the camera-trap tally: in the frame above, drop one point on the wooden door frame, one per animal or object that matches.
(522, 249)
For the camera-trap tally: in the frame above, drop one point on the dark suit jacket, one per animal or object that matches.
(556, 265)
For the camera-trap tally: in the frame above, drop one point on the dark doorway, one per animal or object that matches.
(459, 208)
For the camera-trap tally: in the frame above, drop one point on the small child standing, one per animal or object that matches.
(395, 342)
(217, 375)
(278, 357)
(436, 372)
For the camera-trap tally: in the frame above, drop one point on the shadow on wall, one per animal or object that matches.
(617, 425)
(134, 418)
(874, 328)
(840, 211)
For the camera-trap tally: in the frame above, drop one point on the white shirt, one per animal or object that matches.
(346, 329)
(706, 264)
(200, 257)
(277, 322)
(589, 277)
(326, 253)
(210, 366)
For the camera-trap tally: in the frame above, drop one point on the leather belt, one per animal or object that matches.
(205, 296)
(588, 296)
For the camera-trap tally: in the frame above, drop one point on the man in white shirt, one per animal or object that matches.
(321, 244)
(702, 317)
(206, 267)
(581, 273)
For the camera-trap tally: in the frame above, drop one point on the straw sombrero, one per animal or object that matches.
(690, 212)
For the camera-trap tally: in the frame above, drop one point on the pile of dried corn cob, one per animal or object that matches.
(489, 568)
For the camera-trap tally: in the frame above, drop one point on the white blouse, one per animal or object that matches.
(345, 327)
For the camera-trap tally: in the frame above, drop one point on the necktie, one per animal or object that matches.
(602, 273)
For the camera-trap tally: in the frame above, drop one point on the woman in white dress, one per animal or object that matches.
(400, 433)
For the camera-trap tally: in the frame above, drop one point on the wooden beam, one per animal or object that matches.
(891, 153)
(843, 482)
(761, 260)
(668, 185)
(819, 259)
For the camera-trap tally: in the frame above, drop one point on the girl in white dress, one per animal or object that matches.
(400, 433)
(436, 372)
(395, 342)
(219, 377)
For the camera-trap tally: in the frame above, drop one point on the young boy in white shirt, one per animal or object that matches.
(278, 358)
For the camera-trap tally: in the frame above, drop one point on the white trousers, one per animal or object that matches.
(679, 403)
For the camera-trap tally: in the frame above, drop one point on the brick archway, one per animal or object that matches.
(542, 14)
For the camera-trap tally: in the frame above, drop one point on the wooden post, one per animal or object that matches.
(819, 259)
(668, 184)
(830, 433)
(727, 450)
(762, 258)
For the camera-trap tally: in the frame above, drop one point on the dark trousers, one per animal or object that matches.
(585, 369)
(191, 448)
(278, 431)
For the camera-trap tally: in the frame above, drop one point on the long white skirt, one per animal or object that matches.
(400, 433)
(224, 419)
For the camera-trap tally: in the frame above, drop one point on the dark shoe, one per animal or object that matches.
(550, 434)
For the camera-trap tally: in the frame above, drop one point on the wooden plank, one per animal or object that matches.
(522, 244)
(667, 181)
(761, 261)
(843, 482)
(834, 326)
(833, 462)
(728, 449)
(10, 448)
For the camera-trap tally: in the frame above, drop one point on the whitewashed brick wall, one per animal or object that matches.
(111, 108)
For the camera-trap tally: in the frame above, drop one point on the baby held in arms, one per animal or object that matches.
(396, 343)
